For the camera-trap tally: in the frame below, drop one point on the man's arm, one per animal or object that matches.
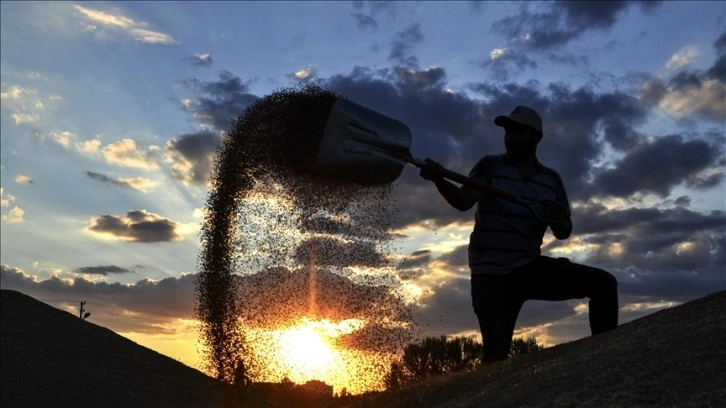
(462, 198)
(558, 217)
(558, 213)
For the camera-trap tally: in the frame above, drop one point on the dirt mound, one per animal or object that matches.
(672, 358)
(51, 358)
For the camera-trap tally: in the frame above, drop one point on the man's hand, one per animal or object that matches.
(432, 171)
(558, 217)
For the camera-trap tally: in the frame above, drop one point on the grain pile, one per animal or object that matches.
(282, 244)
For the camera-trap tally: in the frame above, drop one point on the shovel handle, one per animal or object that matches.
(470, 182)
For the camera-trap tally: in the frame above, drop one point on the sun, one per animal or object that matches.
(305, 348)
(309, 349)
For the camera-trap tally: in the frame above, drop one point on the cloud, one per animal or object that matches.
(562, 21)
(403, 44)
(15, 216)
(657, 166)
(277, 297)
(416, 259)
(680, 100)
(20, 118)
(146, 306)
(364, 21)
(139, 31)
(26, 104)
(331, 251)
(200, 60)
(103, 270)
(683, 57)
(367, 13)
(673, 254)
(690, 93)
(306, 74)
(136, 226)
(21, 179)
(228, 98)
(142, 184)
(504, 61)
(5, 199)
(89, 146)
(129, 153)
(192, 156)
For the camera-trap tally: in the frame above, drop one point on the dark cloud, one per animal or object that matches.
(278, 297)
(366, 14)
(200, 60)
(106, 179)
(154, 304)
(416, 259)
(457, 130)
(136, 183)
(675, 266)
(576, 123)
(136, 226)
(676, 254)
(330, 251)
(651, 223)
(683, 201)
(447, 309)
(563, 21)
(457, 260)
(404, 43)
(658, 166)
(193, 156)
(364, 21)
(510, 62)
(226, 100)
(103, 270)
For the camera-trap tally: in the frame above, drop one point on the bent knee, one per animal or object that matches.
(606, 282)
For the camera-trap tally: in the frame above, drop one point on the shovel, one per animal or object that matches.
(370, 148)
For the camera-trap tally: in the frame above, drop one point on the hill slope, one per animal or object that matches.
(51, 358)
(673, 358)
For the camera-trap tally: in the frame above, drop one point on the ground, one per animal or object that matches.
(672, 358)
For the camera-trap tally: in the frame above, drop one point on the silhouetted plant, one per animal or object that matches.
(439, 355)
(241, 375)
(83, 314)
(523, 346)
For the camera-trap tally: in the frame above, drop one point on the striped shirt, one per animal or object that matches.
(506, 235)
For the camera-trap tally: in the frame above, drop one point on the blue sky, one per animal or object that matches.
(111, 113)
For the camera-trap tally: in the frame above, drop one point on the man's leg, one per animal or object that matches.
(497, 313)
(559, 279)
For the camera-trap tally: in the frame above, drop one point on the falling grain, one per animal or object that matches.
(282, 244)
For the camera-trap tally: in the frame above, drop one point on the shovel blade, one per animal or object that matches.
(362, 145)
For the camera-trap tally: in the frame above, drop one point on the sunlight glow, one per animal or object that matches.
(309, 350)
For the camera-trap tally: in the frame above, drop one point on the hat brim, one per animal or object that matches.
(503, 121)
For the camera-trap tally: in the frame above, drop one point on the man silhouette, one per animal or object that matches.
(505, 259)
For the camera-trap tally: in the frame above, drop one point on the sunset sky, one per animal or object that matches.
(112, 112)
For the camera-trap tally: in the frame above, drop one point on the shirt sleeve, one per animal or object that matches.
(482, 170)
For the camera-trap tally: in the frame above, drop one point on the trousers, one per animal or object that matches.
(498, 299)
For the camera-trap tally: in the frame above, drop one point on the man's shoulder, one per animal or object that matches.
(491, 159)
(549, 171)
(487, 163)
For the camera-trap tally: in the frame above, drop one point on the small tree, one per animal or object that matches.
(83, 314)
(439, 355)
(522, 346)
